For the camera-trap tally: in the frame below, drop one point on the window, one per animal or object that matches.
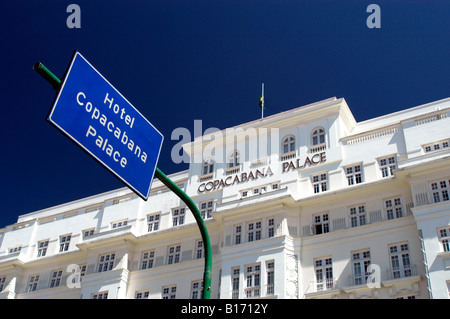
(100, 295)
(270, 227)
(64, 242)
(55, 278)
(324, 273)
(400, 262)
(178, 216)
(233, 159)
(2, 283)
(361, 261)
(199, 249)
(444, 238)
(440, 190)
(147, 259)
(393, 208)
(32, 283)
(153, 222)
(320, 182)
(42, 248)
(270, 275)
(235, 283)
(106, 262)
(253, 231)
(321, 224)
(208, 167)
(253, 282)
(119, 224)
(14, 249)
(358, 216)
(169, 292)
(88, 232)
(387, 166)
(196, 289)
(142, 294)
(237, 234)
(275, 186)
(318, 136)
(206, 208)
(288, 144)
(173, 255)
(436, 146)
(353, 175)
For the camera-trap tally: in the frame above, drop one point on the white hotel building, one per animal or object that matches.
(336, 209)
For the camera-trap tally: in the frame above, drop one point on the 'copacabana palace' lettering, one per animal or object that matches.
(121, 135)
(246, 177)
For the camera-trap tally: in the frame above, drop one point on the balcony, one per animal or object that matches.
(326, 288)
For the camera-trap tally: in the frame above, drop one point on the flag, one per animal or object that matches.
(261, 100)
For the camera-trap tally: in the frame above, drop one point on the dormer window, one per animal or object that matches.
(288, 144)
(318, 136)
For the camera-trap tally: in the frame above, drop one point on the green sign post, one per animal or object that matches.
(207, 274)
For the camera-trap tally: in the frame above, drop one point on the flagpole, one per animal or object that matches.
(262, 100)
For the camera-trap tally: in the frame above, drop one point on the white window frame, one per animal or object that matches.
(387, 165)
(153, 221)
(440, 190)
(270, 277)
(234, 159)
(400, 260)
(394, 208)
(178, 216)
(237, 234)
(173, 254)
(437, 146)
(320, 182)
(142, 294)
(254, 231)
(106, 262)
(270, 227)
(360, 264)
(323, 270)
(55, 278)
(318, 136)
(199, 249)
(288, 144)
(235, 282)
(208, 167)
(206, 208)
(444, 238)
(252, 281)
(64, 242)
(197, 289)
(33, 282)
(354, 174)
(119, 224)
(100, 295)
(357, 216)
(42, 247)
(88, 232)
(321, 222)
(147, 259)
(169, 292)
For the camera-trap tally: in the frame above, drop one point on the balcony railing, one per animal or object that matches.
(322, 285)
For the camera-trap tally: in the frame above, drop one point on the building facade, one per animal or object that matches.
(307, 203)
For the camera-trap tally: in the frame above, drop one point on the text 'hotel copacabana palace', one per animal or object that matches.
(331, 209)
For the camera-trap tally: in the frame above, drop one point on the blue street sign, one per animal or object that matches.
(91, 112)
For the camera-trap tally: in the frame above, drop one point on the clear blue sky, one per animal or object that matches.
(180, 61)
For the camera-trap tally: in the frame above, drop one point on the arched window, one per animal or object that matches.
(233, 160)
(288, 144)
(208, 166)
(318, 136)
